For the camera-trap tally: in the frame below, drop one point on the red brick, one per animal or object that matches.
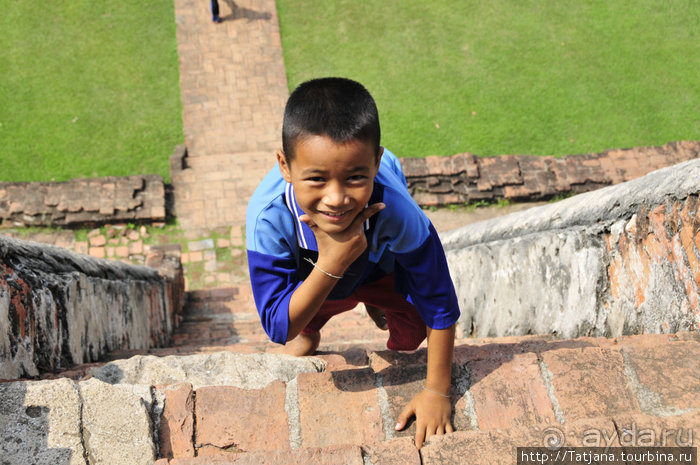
(330, 455)
(97, 252)
(509, 391)
(401, 384)
(177, 424)
(589, 432)
(339, 407)
(434, 164)
(500, 446)
(401, 451)
(589, 382)
(646, 340)
(462, 447)
(122, 252)
(231, 418)
(670, 370)
(97, 241)
(649, 431)
(382, 359)
(479, 349)
(349, 359)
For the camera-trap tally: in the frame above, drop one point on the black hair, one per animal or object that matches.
(339, 108)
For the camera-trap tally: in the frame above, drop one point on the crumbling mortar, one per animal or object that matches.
(462, 381)
(195, 446)
(366, 458)
(385, 411)
(618, 430)
(155, 416)
(547, 377)
(291, 406)
(84, 435)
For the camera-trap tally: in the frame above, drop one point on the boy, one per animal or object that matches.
(333, 225)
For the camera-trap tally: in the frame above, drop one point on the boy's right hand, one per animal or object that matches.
(337, 251)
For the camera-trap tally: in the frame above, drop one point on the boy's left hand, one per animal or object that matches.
(432, 413)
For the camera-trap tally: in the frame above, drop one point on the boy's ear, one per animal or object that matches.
(284, 166)
(379, 156)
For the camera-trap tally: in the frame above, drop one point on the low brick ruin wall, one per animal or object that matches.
(624, 259)
(465, 177)
(59, 308)
(81, 202)
(433, 181)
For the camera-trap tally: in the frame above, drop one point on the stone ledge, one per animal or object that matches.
(59, 308)
(620, 260)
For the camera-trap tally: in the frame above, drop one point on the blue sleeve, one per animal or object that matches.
(424, 278)
(270, 241)
(420, 265)
(274, 281)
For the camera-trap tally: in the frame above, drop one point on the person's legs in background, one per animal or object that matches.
(215, 11)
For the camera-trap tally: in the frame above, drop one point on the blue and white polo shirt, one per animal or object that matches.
(400, 239)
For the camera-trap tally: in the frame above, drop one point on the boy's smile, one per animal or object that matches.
(332, 181)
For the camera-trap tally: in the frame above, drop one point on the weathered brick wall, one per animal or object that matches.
(467, 178)
(58, 308)
(624, 259)
(83, 201)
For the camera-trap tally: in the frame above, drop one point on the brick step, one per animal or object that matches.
(505, 384)
(506, 392)
(478, 447)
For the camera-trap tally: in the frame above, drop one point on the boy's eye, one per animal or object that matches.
(315, 179)
(357, 177)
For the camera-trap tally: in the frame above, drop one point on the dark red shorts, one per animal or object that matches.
(406, 327)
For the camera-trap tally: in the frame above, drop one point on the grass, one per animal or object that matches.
(506, 77)
(91, 89)
(87, 89)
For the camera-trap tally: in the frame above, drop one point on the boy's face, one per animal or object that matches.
(332, 182)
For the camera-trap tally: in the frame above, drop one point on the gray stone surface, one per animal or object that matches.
(40, 423)
(541, 284)
(547, 270)
(117, 423)
(59, 308)
(247, 371)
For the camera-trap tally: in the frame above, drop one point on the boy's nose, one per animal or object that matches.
(335, 197)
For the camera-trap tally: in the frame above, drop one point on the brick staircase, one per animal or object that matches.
(229, 397)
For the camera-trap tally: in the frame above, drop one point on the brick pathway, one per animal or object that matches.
(234, 88)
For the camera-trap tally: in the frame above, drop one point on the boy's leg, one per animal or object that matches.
(308, 340)
(303, 344)
(407, 329)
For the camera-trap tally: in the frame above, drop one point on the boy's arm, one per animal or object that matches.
(336, 252)
(433, 406)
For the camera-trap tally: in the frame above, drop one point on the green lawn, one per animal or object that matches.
(508, 77)
(87, 89)
(91, 88)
